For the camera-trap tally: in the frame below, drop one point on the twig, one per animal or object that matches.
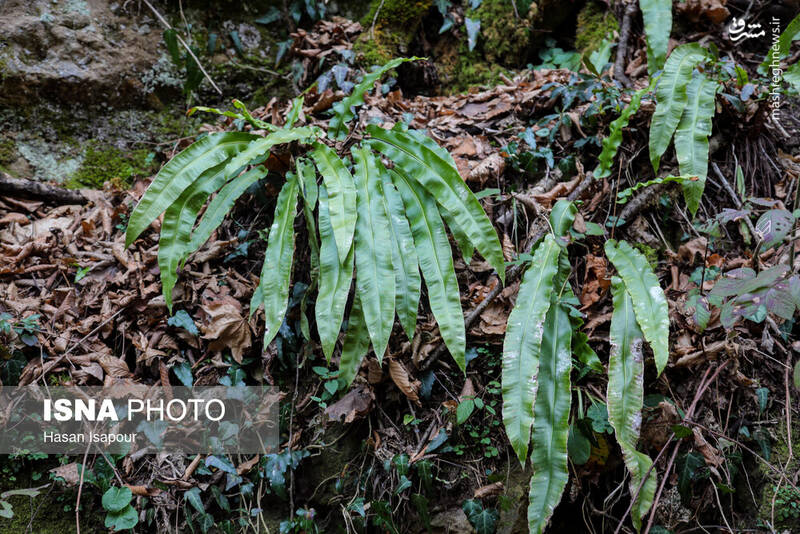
(14, 187)
(622, 47)
(700, 391)
(80, 489)
(513, 273)
(183, 43)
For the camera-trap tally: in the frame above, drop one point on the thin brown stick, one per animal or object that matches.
(80, 490)
(513, 273)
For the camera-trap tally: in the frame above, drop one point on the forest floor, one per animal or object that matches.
(78, 307)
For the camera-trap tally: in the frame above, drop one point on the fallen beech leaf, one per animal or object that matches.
(490, 490)
(355, 404)
(69, 472)
(226, 327)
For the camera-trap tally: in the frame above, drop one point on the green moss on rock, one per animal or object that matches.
(505, 32)
(595, 23)
(101, 165)
(389, 27)
(8, 151)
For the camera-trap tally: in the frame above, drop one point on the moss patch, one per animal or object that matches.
(101, 165)
(505, 32)
(8, 151)
(395, 22)
(595, 23)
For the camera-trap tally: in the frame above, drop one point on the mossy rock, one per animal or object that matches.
(595, 23)
(389, 27)
(505, 31)
(101, 165)
(8, 151)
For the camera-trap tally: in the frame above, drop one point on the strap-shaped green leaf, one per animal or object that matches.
(436, 263)
(649, 302)
(341, 196)
(551, 418)
(626, 395)
(562, 217)
(307, 176)
(310, 191)
(258, 150)
(657, 15)
(407, 279)
(176, 229)
(426, 162)
(691, 137)
(462, 239)
(179, 173)
(334, 280)
(671, 97)
(612, 142)
(375, 279)
(273, 289)
(783, 45)
(522, 345)
(219, 207)
(355, 345)
(344, 110)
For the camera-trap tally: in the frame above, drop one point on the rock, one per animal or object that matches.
(73, 51)
(453, 521)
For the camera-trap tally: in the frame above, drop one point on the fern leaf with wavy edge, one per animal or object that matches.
(334, 280)
(273, 289)
(671, 97)
(341, 196)
(404, 257)
(431, 166)
(625, 195)
(176, 229)
(344, 109)
(375, 278)
(551, 417)
(626, 395)
(691, 137)
(649, 301)
(657, 15)
(179, 173)
(436, 263)
(355, 345)
(522, 345)
(613, 141)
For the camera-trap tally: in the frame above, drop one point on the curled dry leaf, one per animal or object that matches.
(402, 380)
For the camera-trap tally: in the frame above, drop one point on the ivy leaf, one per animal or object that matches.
(124, 519)
(115, 499)
(773, 227)
(182, 319)
(473, 29)
(193, 496)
